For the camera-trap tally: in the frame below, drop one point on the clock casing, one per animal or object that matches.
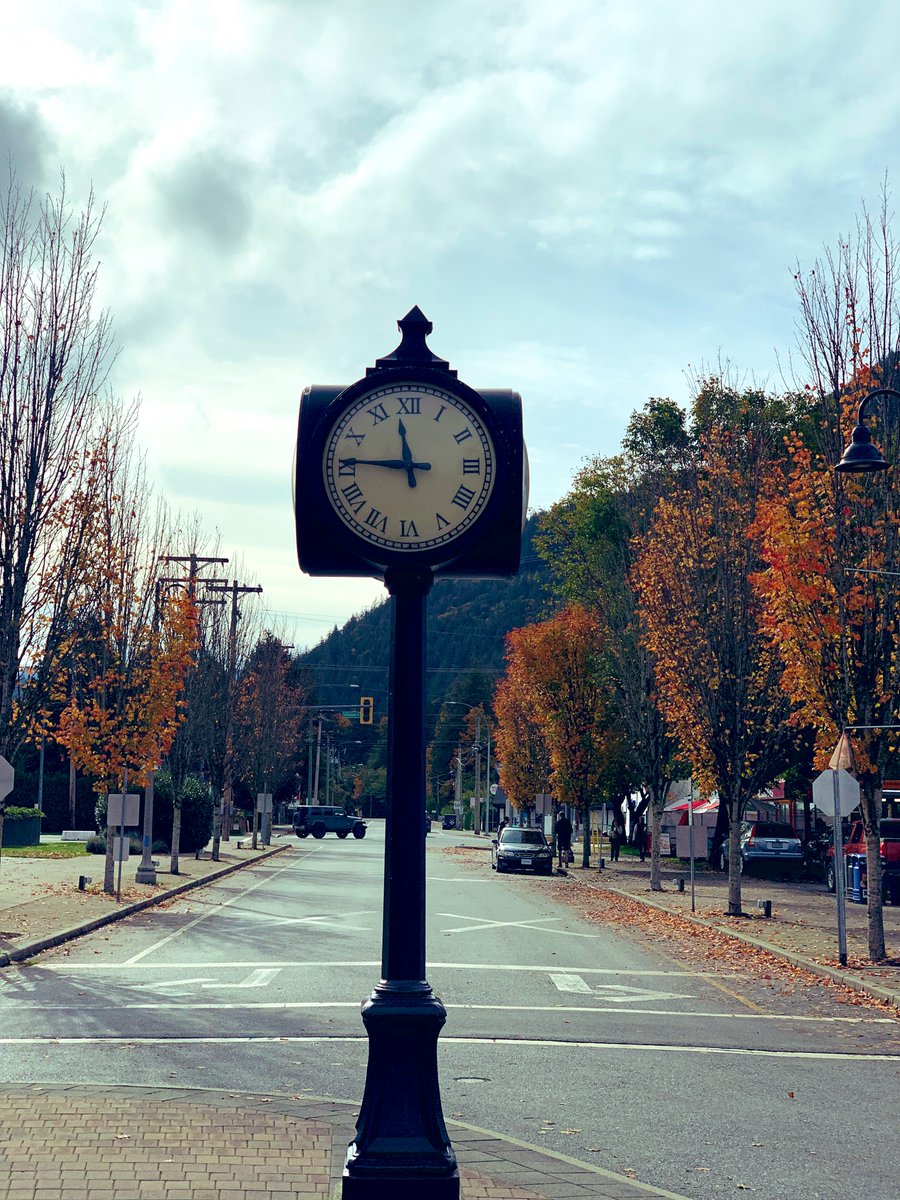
(409, 469)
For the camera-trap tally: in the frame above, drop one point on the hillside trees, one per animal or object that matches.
(830, 541)
(719, 676)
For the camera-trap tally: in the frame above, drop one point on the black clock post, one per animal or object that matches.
(402, 1150)
(401, 1140)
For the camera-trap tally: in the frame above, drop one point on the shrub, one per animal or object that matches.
(16, 813)
(196, 813)
(95, 844)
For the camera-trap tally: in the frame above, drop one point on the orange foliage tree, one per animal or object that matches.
(560, 668)
(830, 541)
(519, 746)
(718, 673)
(133, 656)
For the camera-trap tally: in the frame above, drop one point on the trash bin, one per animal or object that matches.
(856, 879)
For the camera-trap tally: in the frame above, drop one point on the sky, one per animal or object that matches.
(592, 201)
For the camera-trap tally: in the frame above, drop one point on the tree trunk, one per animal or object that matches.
(109, 866)
(71, 793)
(734, 868)
(176, 837)
(255, 827)
(586, 836)
(871, 804)
(217, 831)
(655, 860)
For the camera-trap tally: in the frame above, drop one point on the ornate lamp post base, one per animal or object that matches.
(402, 1150)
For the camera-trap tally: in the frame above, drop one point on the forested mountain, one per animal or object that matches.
(468, 620)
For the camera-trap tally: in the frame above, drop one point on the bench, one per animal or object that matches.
(77, 835)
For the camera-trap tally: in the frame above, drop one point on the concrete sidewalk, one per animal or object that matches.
(91, 1142)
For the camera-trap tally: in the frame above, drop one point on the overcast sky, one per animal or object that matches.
(589, 199)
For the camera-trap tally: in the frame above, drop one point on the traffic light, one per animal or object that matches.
(366, 707)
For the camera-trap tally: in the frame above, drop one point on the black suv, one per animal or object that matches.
(316, 820)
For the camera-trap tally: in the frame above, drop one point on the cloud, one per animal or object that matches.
(24, 141)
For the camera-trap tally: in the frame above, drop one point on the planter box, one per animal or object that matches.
(21, 831)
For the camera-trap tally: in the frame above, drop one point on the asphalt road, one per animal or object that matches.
(559, 1032)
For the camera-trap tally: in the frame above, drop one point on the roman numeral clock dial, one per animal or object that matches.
(408, 468)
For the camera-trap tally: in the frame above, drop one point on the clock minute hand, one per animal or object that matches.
(395, 464)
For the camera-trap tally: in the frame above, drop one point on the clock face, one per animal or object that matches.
(409, 467)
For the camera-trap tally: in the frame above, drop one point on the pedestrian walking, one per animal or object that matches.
(640, 838)
(563, 840)
(615, 841)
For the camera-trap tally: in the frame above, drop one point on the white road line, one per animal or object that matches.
(543, 1043)
(166, 983)
(579, 1009)
(542, 968)
(267, 878)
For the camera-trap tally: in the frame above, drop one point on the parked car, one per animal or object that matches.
(855, 847)
(769, 844)
(318, 820)
(522, 850)
(448, 821)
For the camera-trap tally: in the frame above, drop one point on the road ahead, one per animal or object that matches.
(559, 1032)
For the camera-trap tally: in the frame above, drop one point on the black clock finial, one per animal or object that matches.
(413, 349)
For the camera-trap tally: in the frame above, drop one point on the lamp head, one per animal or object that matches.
(861, 456)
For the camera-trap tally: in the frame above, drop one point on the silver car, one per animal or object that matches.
(771, 844)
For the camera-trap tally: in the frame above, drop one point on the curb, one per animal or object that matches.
(21, 953)
(837, 974)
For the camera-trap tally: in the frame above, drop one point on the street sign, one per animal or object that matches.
(263, 802)
(114, 814)
(845, 787)
(836, 793)
(7, 778)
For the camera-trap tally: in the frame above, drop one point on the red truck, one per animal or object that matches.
(855, 850)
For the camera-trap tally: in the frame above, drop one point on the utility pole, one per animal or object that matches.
(235, 589)
(146, 872)
(477, 749)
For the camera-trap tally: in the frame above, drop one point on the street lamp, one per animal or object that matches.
(862, 457)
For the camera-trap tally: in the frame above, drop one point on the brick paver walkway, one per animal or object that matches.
(100, 1143)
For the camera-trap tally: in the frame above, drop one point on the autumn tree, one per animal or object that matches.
(588, 539)
(830, 541)
(561, 666)
(718, 675)
(521, 752)
(270, 707)
(55, 352)
(122, 724)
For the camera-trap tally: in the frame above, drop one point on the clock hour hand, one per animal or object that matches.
(407, 457)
